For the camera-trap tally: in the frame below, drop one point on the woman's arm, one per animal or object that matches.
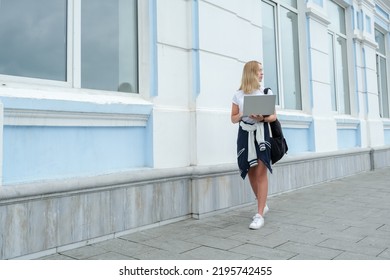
(235, 114)
(270, 118)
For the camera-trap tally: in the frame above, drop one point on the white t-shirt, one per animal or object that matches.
(238, 99)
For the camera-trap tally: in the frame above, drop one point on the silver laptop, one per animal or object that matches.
(259, 104)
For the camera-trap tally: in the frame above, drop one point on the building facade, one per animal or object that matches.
(116, 114)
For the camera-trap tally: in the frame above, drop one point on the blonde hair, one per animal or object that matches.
(250, 78)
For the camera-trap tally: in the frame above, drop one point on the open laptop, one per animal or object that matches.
(259, 104)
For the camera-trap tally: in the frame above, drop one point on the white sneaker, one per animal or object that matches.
(258, 222)
(266, 209)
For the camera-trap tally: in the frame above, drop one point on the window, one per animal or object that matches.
(82, 44)
(281, 53)
(381, 71)
(33, 39)
(338, 59)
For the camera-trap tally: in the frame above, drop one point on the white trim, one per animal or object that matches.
(347, 123)
(363, 39)
(75, 59)
(353, 126)
(25, 117)
(145, 58)
(70, 94)
(386, 124)
(301, 124)
(294, 119)
(317, 15)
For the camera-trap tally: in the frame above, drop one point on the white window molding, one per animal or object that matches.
(24, 117)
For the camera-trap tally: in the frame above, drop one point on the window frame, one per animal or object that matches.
(73, 52)
(339, 96)
(277, 5)
(15, 80)
(380, 56)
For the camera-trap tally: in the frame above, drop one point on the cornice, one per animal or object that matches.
(317, 15)
(28, 117)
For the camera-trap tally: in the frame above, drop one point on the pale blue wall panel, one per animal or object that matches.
(298, 140)
(40, 153)
(387, 136)
(347, 138)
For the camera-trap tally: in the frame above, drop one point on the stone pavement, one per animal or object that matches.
(345, 219)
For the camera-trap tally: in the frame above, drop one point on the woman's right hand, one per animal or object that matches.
(258, 118)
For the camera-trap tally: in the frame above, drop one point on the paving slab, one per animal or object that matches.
(351, 247)
(173, 246)
(261, 252)
(111, 256)
(208, 253)
(216, 242)
(85, 252)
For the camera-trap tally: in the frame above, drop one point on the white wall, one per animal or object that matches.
(194, 128)
(230, 35)
(171, 114)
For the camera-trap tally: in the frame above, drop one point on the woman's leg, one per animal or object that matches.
(253, 179)
(263, 188)
(258, 179)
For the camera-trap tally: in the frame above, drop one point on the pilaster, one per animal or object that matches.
(324, 128)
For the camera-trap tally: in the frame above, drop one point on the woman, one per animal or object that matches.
(253, 127)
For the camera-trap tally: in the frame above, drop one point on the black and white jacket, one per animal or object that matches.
(253, 143)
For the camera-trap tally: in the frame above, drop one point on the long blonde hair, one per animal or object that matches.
(250, 78)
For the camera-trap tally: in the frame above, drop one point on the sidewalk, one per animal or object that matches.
(345, 219)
